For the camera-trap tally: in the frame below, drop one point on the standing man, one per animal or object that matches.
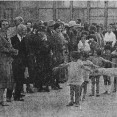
(19, 63)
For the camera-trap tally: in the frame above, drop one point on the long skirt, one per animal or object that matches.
(6, 75)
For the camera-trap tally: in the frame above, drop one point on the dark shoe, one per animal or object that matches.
(114, 91)
(22, 95)
(71, 104)
(106, 92)
(47, 90)
(8, 100)
(76, 105)
(91, 95)
(58, 87)
(55, 88)
(18, 99)
(97, 95)
(39, 90)
(29, 90)
(4, 104)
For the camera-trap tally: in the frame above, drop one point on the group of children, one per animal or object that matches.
(84, 67)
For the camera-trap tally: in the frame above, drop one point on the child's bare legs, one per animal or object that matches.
(72, 88)
(84, 88)
(106, 83)
(115, 84)
(97, 85)
(77, 94)
(92, 85)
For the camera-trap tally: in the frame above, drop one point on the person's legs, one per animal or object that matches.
(47, 80)
(18, 89)
(2, 101)
(9, 94)
(84, 89)
(97, 85)
(109, 85)
(105, 84)
(18, 74)
(57, 77)
(77, 95)
(71, 95)
(92, 86)
(39, 81)
(115, 84)
(53, 82)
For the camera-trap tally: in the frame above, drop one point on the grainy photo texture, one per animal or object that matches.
(58, 58)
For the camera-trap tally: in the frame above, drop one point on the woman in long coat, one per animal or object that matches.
(6, 52)
(42, 54)
(59, 43)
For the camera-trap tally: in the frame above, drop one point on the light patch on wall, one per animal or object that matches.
(66, 3)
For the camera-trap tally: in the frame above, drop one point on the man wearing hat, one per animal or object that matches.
(50, 27)
(73, 35)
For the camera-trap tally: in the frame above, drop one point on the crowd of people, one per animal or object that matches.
(30, 52)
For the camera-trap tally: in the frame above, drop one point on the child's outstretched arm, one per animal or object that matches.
(90, 64)
(61, 66)
(86, 68)
(105, 60)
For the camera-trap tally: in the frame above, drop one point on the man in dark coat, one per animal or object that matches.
(19, 63)
(43, 58)
(31, 58)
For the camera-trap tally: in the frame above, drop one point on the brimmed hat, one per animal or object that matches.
(51, 23)
(66, 24)
(19, 18)
(41, 24)
(73, 23)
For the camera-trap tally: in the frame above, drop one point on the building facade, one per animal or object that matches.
(104, 12)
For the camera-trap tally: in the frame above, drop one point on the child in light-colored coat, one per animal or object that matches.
(75, 77)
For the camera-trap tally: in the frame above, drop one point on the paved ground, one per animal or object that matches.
(53, 104)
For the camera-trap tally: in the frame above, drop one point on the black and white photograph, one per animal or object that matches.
(58, 58)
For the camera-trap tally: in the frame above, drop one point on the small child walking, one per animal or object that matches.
(95, 77)
(75, 77)
(86, 73)
(108, 80)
